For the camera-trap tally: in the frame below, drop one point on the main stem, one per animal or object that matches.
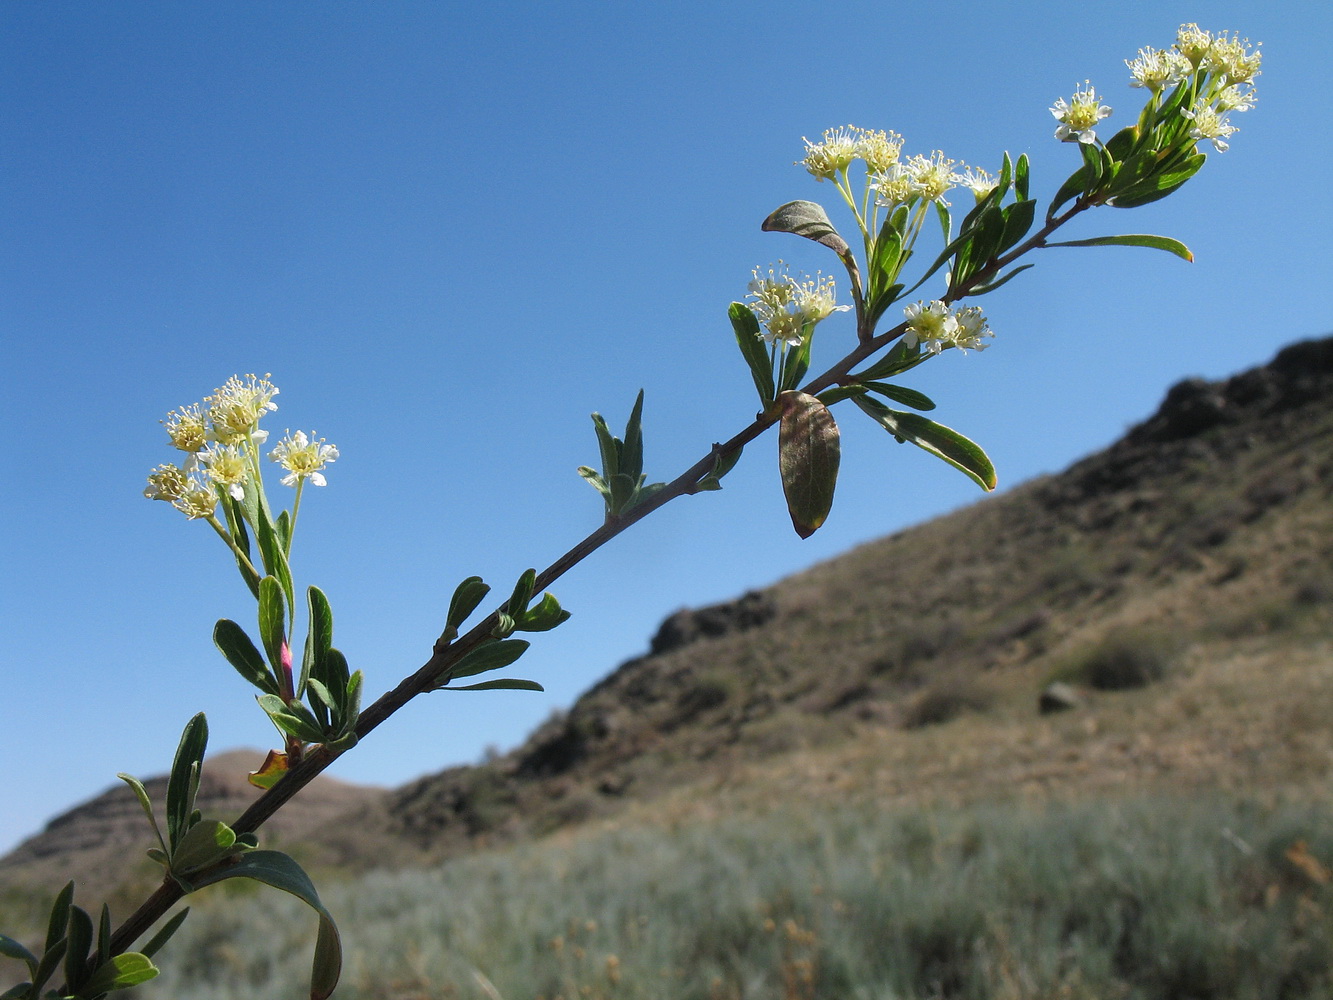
(446, 654)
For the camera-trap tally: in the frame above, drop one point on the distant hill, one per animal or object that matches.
(1176, 584)
(1206, 526)
(101, 843)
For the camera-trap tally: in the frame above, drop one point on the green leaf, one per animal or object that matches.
(808, 457)
(292, 718)
(320, 695)
(544, 617)
(20, 992)
(241, 653)
(146, 803)
(1018, 219)
(840, 392)
(103, 934)
(622, 491)
(902, 394)
(946, 222)
(491, 656)
(336, 673)
(805, 218)
(504, 684)
(943, 442)
(272, 621)
(900, 358)
(50, 960)
(746, 325)
(13, 949)
(642, 495)
(983, 289)
(58, 924)
(1134, 240)
(883, 300)
(796, 363)
(522, 594)
(609, 445)
(950, 248)
(319, 640)
(184, 780)
(120, 973)
(274, 554)
(1021, 177)
(204, 844)
(723, 462)
(886, 258)
(982, 243)
(79, 940)
(235, 515)
(504, 625)
(597, 482)
(164, 935)
(467, 596)
(280, 871)
(1160, 184)
(1121, 145)
(1071, 188)
(631, 452)
(352, 706)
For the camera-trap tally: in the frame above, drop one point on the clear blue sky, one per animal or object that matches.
(451, 231)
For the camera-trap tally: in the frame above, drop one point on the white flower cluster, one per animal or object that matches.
(789, 308)
(1229, 66)
(935, 326)
(220, 438)
(1221, 69)
(895, 181)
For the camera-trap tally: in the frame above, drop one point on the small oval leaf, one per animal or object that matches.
(805, 218)
(808, 457)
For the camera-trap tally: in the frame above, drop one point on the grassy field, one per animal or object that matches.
(1165, 898)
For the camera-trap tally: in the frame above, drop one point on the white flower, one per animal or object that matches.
(198, 501)
(931, 326)
(1158, 68)
(186, 428)
(226, 466)
(831, 155)
(972, 329)
(788, 307)
(1230, 57)
(879, 149)
(1210, 125)
(303, 458)
(1193, 43)
(978, 181)
(894, 186)
(235, 408)
(933, 176)
(1233, 98)
(1079, 115)
(166, 482)
(935, 327)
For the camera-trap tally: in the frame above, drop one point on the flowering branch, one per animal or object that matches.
(316, 708)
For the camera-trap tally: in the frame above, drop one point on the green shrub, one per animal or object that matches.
(1127, 658)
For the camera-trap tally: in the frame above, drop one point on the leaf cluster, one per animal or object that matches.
(497, 650)
(331, 691)
(197, 852)
(621, 481)
(83, 953)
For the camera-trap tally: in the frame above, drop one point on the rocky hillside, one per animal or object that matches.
(100, 843)
(1206, 525)
(1190, 560)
